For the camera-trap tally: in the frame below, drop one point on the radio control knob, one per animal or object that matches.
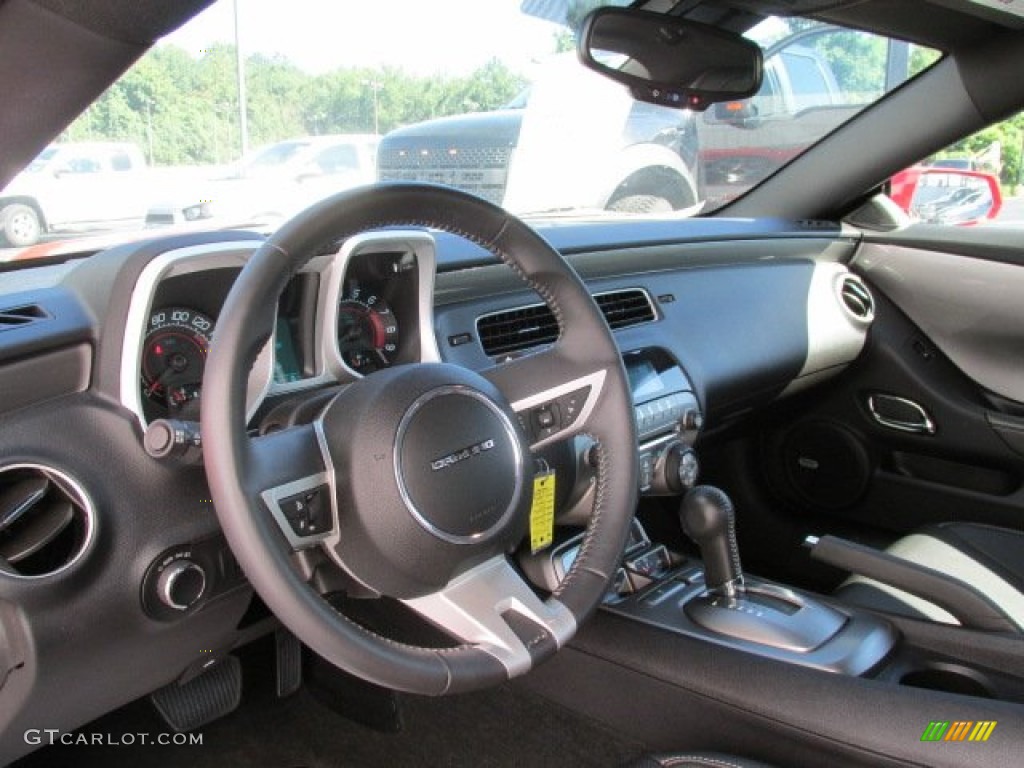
(181, 584)
(693, 420)
(681, 468)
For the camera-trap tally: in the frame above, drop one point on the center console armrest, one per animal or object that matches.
(970, 607)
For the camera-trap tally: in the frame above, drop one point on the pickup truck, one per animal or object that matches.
(668, 159)
(75, 186)
(537, 154)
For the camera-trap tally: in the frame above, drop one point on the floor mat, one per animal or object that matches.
(502, 727)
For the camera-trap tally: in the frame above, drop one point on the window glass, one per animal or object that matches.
(975, 182)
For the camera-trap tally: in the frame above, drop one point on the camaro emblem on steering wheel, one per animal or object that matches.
(461, 455)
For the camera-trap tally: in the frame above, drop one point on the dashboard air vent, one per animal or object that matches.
(16, 317)
(857, 298)
(512, 330)
(45, 520)
(625, 308)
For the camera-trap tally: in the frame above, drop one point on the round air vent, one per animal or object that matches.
(46, 520)
(856, 298)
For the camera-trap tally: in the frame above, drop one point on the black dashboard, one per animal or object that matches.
(715, 319)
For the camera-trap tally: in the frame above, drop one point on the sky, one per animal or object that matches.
(322, 35)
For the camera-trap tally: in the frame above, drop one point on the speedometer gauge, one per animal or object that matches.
(367, 334)
(174, 356)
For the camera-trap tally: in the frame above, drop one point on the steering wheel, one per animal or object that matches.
(423, 471)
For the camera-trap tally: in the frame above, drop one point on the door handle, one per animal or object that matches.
(900, 414)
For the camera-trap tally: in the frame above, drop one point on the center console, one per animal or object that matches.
(668, 420)
(696, 637)
(709, 598)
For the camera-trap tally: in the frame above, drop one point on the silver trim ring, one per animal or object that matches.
(72, 487)
(510, 433)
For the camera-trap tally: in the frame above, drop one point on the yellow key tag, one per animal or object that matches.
(542, 512)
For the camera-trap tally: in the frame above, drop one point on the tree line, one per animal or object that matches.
(163, 103)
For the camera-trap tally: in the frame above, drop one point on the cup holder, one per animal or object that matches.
(949, 678)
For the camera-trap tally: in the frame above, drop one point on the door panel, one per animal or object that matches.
(945, 356)
(972, 309)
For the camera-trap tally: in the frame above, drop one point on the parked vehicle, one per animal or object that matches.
(273, 182)
(76, 186)
(668, 158)
(743, 142)
(507, 156)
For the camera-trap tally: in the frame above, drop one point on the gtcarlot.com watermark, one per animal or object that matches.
(48, 737)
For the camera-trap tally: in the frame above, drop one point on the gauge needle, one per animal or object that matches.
(158, 381)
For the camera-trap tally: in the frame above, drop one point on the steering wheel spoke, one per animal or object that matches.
(296, 483)
(553, 394)
(491, 607)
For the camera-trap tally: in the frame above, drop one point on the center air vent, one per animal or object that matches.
(512, 330)
(857, 298)
(45, 520)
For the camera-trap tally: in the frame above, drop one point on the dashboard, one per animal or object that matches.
(715, 320)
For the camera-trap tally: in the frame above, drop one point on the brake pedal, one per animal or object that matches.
(213, 694)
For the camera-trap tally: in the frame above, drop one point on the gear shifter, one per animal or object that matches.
(756, 613)
(708, 518)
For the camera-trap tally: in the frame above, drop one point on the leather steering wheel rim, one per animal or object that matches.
(240, 468)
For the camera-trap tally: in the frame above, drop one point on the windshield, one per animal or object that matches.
(42, 160)
(487, 97)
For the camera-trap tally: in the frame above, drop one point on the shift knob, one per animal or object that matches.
(708, 518)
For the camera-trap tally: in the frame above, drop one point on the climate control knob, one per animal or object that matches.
(681, 468)
(181, 584)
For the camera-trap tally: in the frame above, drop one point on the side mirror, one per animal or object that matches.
(670, 61)
(947, 195)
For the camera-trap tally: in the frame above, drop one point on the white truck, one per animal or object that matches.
(572, 141)
(76, 187)
(575, 141)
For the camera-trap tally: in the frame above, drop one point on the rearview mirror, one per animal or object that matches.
(670, 61)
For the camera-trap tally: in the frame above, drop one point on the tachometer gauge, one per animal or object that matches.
(367, 334)
(174, 356)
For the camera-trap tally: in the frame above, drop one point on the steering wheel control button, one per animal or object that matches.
(545, 416)
(572, 404)
(307, 513)
(454, 450)
(546, 420)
